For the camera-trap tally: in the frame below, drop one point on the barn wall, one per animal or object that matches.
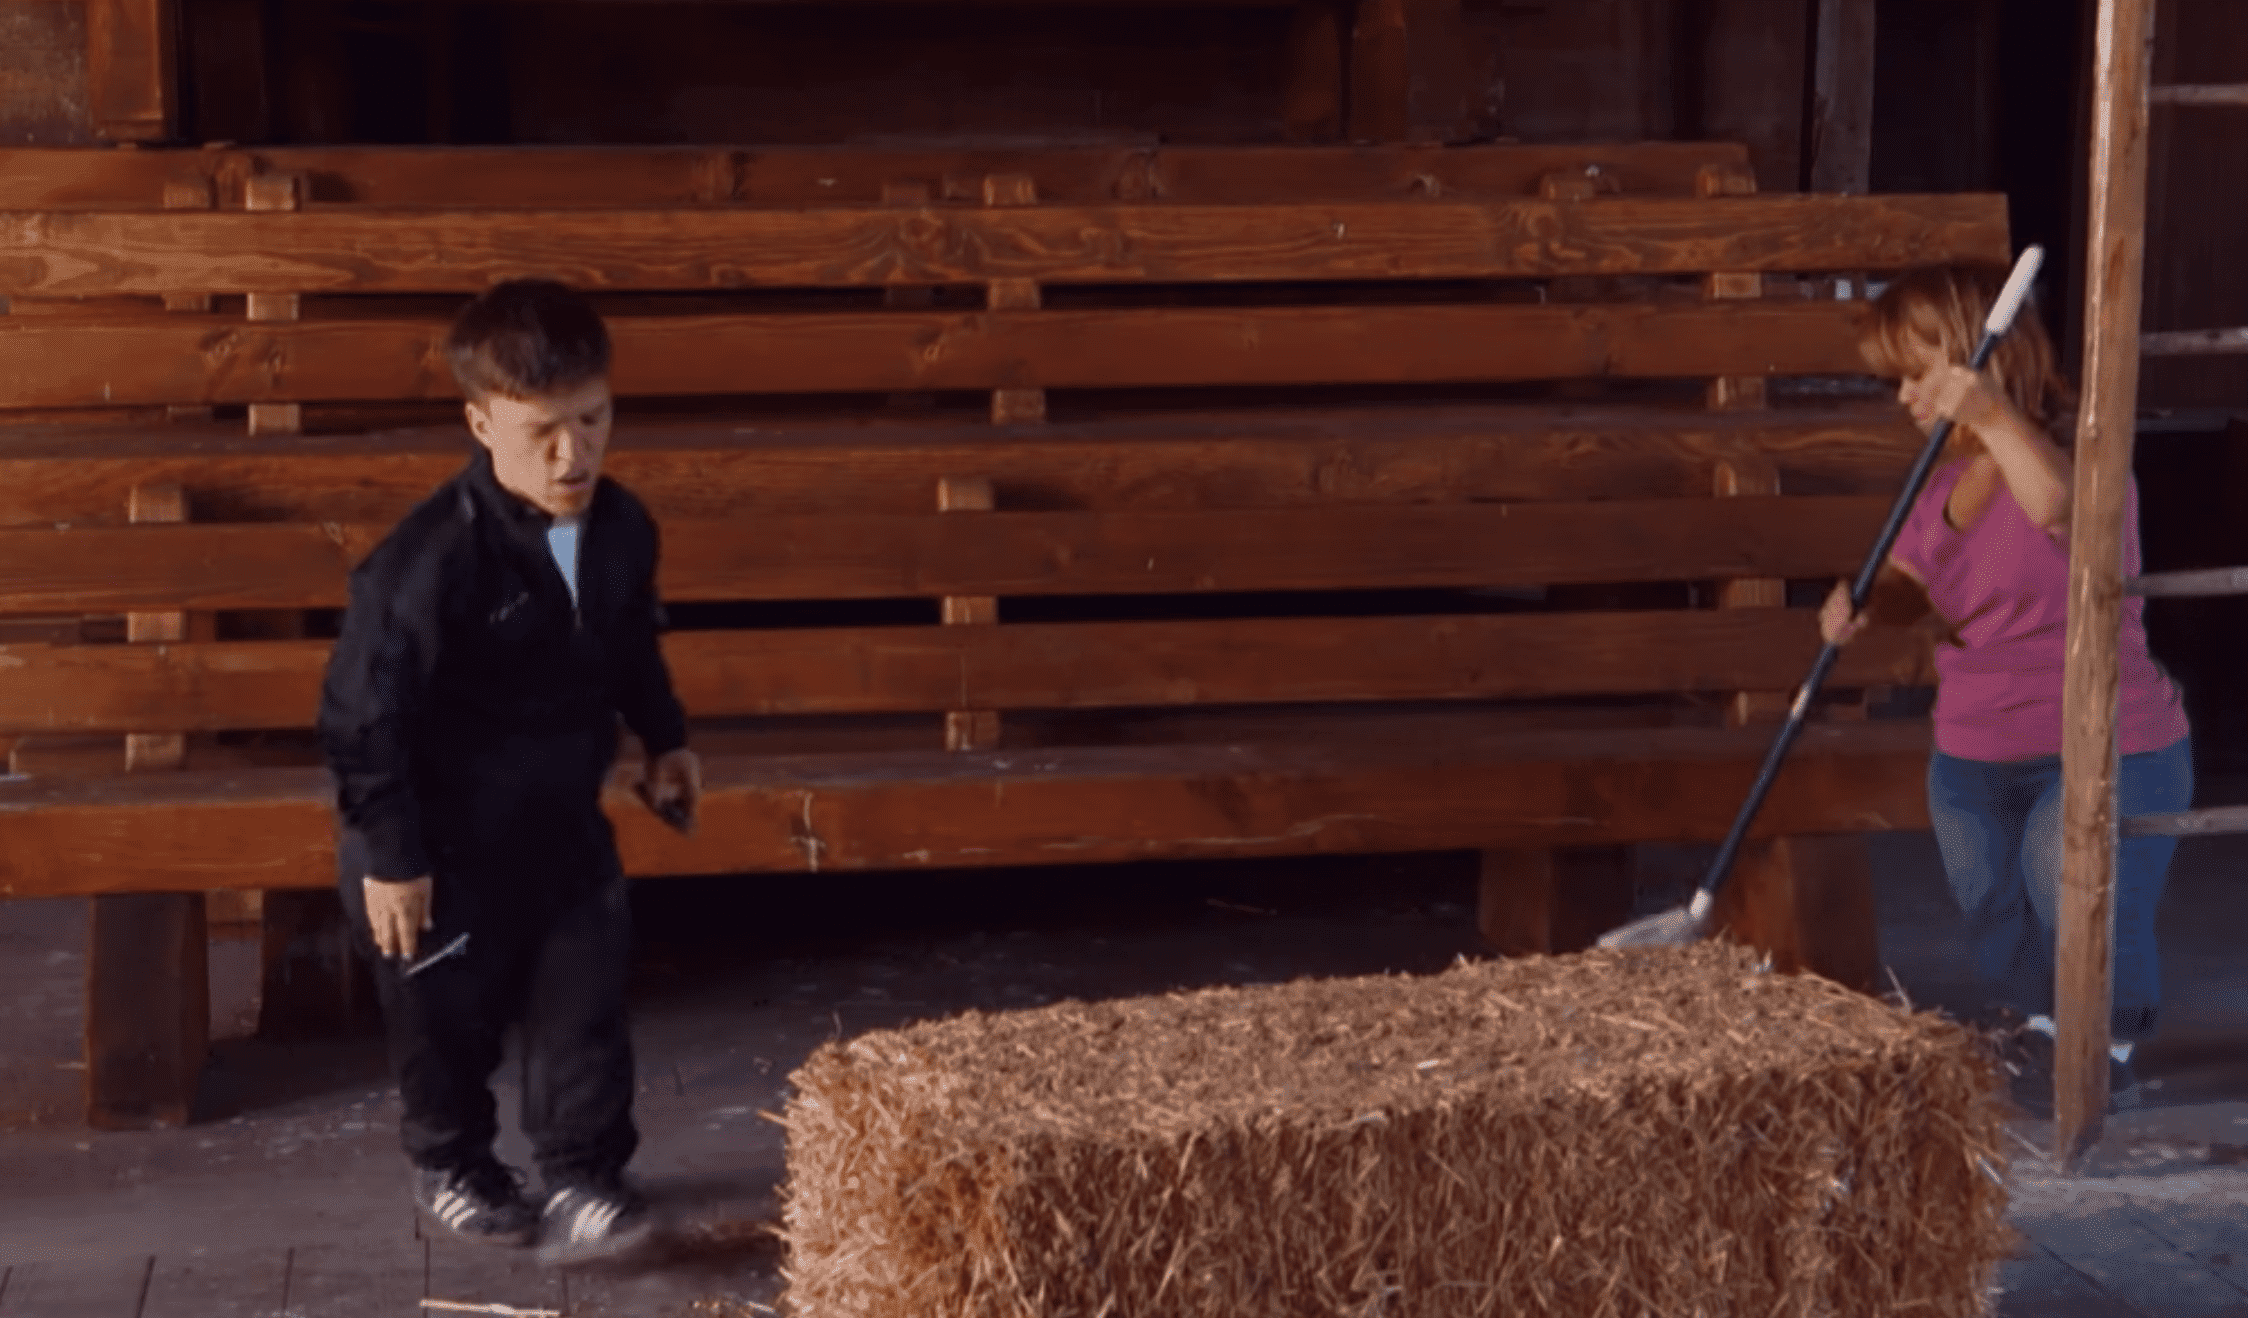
(43, 73)
(399, 72)
(2197, 196)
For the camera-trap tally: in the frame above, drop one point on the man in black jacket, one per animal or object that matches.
(470, 717)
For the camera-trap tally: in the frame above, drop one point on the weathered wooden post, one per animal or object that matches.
(2103, 471)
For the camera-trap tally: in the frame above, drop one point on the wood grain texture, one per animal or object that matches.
(79, 1288)
(968, 726)
(132, 68)
(1547, 902)
(895, 556)
(148, 1006)
(184, 358)
(1316, 94)
(275, 684)
(1809, 902)
(34, 179)
(1364, 791)
(1840, 147)
(2105, 430)
(731, 469)
(82, 254)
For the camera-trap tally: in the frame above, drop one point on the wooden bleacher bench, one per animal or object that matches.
(1360, 518)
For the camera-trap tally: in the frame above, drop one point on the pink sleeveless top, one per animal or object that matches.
(2003, 586)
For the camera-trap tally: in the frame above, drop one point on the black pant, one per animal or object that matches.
(547, 952)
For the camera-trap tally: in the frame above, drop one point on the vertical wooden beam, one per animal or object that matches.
(1808, 901)
(1838, 142)
(1312, 106)
(1019, 406)
(906, 193)
(148, 1004)
(274, 192)
(1408, 72)
(2105, 430)
(313, 983)
(132, 69)
(968, 729)
(227, 57)
(1749, 474)
(1744, 392)
(1545, 902)
(198, 193)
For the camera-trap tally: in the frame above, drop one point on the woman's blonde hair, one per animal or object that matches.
(1944, 307)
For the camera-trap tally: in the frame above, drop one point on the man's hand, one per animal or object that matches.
(673, 788)
(397, 913)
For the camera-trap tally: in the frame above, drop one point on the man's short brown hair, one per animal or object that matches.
(526, 338)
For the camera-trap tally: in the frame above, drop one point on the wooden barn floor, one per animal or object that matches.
(288, 1196)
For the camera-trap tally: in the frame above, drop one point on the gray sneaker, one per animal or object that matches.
(481, 1203)
(593, 1220)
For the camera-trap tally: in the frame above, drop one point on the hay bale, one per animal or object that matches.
(1617, 1133)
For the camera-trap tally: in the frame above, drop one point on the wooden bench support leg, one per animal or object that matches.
(1809, 902)
(313, 984)
(275, 192)
(148, 1009)
(1531, 903)
(148, 983)
(1016, 406)
(968, 729)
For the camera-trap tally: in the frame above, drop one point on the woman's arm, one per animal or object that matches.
(2035, 470)
(1898, 600)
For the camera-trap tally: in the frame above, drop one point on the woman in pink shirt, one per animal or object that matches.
(1986, 547)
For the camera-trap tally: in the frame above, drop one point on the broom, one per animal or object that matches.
(1688, 923)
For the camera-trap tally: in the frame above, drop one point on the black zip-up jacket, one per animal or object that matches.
(470, 710)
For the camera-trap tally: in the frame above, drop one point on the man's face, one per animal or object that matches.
(547, 450)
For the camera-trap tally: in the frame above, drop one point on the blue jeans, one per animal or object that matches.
(1998, 825)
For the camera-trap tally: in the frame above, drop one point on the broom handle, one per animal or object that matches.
(2001, 320)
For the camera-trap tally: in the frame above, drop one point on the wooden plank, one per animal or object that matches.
(132, 68)
(469, 1274)
(2193, 343)
(2105, 430)
(1809, 902)
(1543, 902)
(147, 1023)
(1752, 477)
(2179, 585)
(2216, 1240)
(74, 254)
(242, 1285)
(2037, 1284)
(197, 360)
(514, 177)
(386, 1273)
(2207, 821)
(1407, 72)
(968, 727)
(734, 469)
(89, 1288)
(1366, 792)
(2116, 1251)
(1130, 552)
(1840, 148)
(1312, 103)
(148, 1010)
(2229, 94)
(1742, 391)
(275, 684)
